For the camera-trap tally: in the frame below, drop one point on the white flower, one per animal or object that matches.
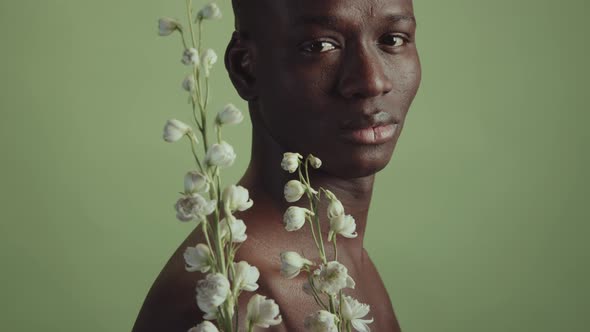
(189, 83)
(292, 263)
(290, 161)
(190, 57)
(234, 228)
(262, 312)
(353, 310)
(246, 276)
(321, 321)
(294, 218)
(343, 225)
(332, 277)
(195, 182)
(211, 293)
(205, 326)
(174, 130)
(335, 208)
(236, 198)
(197, 258)
(209, 12)
(193, 206)
(208, 59)
(229, 115)
(293, 191)
(220, 155)
(314, 161)
(167, 25)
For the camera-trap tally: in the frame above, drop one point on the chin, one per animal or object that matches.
(361, 161)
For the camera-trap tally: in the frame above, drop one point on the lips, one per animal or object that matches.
(372, 135)
(378, 128)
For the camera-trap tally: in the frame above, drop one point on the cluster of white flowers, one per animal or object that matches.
(330, 278)
(224, 280)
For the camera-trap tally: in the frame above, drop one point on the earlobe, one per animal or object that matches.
(240, 66)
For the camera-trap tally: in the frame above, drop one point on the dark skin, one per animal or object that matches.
(325, 66)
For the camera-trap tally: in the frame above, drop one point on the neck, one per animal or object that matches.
(265, 179)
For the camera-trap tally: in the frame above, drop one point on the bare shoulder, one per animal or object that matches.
(170, 305)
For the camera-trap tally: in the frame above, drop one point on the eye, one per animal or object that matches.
(393, 40)
(318, 46)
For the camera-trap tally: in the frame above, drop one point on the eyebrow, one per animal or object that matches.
(332, 21)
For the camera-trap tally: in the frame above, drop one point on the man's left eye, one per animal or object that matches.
(392, 40)
(318, 46)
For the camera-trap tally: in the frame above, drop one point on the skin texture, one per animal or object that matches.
(324, 66)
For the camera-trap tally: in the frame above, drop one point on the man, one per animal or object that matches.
(334, 78)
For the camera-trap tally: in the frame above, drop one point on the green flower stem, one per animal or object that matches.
(205, 231)
(316, 296)
(335, 248)
(332, 305)
(348, 326)
(183, 39)
(306, 170)
(341, 322)
(203, 119)
(195, 113)
(319, 228)
(192, 139)
(315, 206)
(218, 134)
(189, 9)
(199, 28)
(313, 233)
(250, 327)
(206, 92)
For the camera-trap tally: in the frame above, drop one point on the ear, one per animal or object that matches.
(240, 66)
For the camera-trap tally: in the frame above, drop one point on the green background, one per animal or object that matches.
(479, 223)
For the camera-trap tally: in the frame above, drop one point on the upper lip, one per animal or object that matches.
(377, 119)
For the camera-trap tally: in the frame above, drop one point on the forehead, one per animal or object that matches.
(295, 12)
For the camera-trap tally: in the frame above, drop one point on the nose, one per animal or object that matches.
(363, 74)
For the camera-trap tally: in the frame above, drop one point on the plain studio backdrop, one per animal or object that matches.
(478, 224)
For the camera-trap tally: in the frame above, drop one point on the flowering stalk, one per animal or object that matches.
(217, 294)
(341, 312)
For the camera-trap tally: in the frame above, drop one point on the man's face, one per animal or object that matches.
(336, 78)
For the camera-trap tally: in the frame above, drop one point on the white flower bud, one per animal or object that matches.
(211, 293)
(262, 312)
(330, 278)
(220, 155)
(209, 12)
(290, 161)
(321, 321)
(292, 263)
(294, 218)
(233, 227)
(293, 191)
(236, 198)
(229, 115)
(246, 276)
(343, 225)
(205, 326)
(353, 311)
(189, 83)
(197, 258)
(167, 25)
(193, 207)
(190, 57)
(208, 59)
(314, 161)
(174, 130)
(335, 209)
(195, 182)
